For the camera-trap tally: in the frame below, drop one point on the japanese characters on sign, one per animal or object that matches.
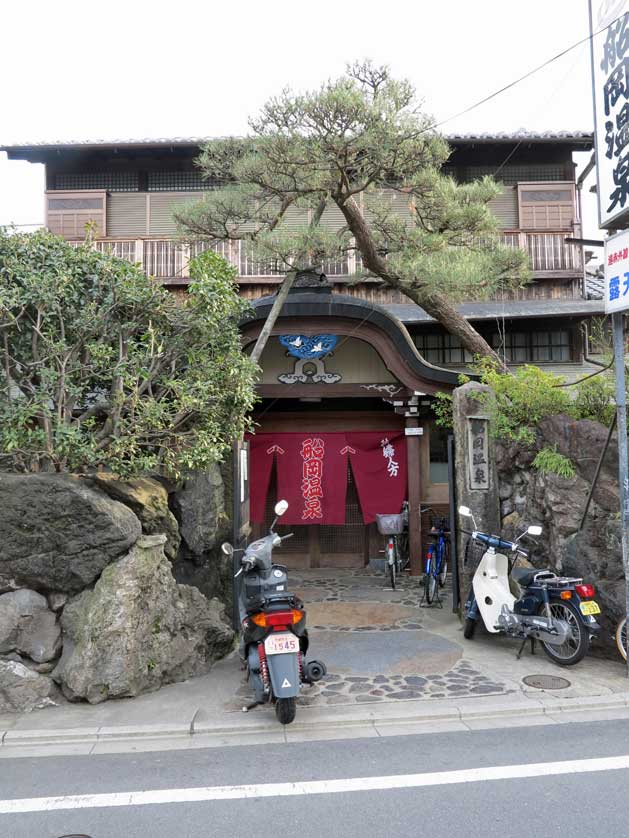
(610, 79)
(388, 452)
(478, 450)
(312, 451)
(617, 272)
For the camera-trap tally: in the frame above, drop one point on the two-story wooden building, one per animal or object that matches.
(382, 358)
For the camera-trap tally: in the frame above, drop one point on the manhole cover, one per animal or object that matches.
(546, 682)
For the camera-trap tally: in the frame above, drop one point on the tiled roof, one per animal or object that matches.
(521, 135)
(594, 286)
(509, 309)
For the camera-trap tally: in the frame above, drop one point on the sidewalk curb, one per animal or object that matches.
(317, 718)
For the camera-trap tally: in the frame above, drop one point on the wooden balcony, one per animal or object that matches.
(169, 260)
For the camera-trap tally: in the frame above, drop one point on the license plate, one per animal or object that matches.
(590, 607)
(281, 644)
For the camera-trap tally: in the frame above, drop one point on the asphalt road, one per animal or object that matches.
(477, 801)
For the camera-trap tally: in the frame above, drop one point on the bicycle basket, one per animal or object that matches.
(474, 552)
(390, 524)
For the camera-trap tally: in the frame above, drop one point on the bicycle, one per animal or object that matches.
(395, 528)
(437, 559)
(621, 637)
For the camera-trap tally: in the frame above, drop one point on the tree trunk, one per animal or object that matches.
(267, 328)
(434, 303)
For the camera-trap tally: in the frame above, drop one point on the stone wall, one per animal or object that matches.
(529, 497)
(92, 604)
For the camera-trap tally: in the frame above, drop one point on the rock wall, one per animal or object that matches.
(91, 605)
(529, 497)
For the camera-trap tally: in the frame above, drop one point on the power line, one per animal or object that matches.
(525, 76)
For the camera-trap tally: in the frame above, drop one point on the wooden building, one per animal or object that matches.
(389, 357)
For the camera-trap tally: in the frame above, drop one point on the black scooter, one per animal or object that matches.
(274, 639)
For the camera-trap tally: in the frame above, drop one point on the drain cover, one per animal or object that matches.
(546, 682)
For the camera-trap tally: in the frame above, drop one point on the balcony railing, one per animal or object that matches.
(548, 252)
(169, 260)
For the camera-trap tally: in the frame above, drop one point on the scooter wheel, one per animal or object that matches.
(285, 710)
(469, 627)
(576, 646)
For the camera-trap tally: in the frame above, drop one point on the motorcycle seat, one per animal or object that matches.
(524, 575)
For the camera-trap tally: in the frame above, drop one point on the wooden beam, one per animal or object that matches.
(413, 446)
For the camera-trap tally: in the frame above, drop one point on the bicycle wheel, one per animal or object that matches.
(391, 572)
(443, 568)
(621, 638)
(430, 583)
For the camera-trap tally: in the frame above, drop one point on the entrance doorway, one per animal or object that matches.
(321, 545)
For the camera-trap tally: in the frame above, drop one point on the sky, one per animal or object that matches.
(135, 69)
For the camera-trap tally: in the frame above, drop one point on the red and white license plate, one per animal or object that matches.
(281, 644)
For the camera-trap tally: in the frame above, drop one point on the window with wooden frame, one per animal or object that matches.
(67, 212)
(546, 206)
(537, 347)
(441, 348)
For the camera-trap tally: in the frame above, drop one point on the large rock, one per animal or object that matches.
(57, 533)
(22, 690)
(593, 551)
(200, 509)
(28, 626)
(149, 500)
(138, 629)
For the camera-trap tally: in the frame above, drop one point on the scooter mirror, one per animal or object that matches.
(534, 530)
(465, 511)
(227, 549)
(280, 507)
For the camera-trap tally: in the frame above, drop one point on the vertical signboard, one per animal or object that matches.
(617, 272)
(478, 452)
(610, 82)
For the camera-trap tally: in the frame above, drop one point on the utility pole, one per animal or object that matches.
(608, 23)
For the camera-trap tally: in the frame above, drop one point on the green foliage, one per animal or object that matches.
(102, 367)
(442, 407)
(549, 460)
(359, 147)
(595, 399)
(520, 400)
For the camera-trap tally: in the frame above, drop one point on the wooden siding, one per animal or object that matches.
(127, 214)
(161, 208)
(505, 208)
(67, 212)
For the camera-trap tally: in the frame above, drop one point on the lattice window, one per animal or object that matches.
(508, 174)
(442, 348)
(533, 347)
(111, 181)
(179, 182)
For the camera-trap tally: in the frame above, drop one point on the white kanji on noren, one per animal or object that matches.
(388, 452)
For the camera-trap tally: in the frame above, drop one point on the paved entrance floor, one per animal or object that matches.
(378, 644)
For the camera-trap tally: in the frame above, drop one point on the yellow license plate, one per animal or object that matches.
(590, 607)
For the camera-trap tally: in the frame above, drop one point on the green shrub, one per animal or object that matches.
(595, 399)
(519, 401)
(550, 461)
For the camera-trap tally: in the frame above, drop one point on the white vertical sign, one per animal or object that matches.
(610, 81)
(617, 272)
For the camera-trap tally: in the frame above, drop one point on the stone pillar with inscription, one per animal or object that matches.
(476, 478)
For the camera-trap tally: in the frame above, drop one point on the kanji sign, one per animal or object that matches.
(478, 453)
(610, 80)
(617, 272)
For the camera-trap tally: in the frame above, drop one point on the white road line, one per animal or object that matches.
(343, 786)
